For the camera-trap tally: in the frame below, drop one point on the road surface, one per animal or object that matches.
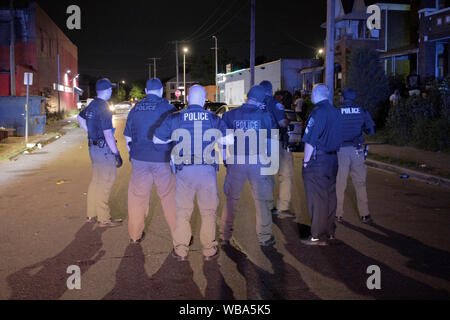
(43, 232)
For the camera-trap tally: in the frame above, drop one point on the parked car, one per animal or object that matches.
(82, 104)
(178, 104)
(225, 109)
(214, 106)
(122, 107)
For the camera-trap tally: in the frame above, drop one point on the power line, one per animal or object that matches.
(216, 22)
(300, 42)
(229, 21)
(207, 20)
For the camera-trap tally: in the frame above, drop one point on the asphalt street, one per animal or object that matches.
(43, 232)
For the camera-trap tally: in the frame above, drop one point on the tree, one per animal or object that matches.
(367, 77)
(137, 91)
(121, 93)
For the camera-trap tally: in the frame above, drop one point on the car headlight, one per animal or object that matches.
(112, 108)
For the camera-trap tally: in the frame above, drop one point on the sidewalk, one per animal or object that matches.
(427, 166)
(14, 146)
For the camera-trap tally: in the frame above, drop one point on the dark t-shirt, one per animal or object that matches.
(98, 118)
(324, 131)
(142, 122)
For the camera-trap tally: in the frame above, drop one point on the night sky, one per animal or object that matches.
(117, 37)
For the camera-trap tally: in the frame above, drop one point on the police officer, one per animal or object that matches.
(323, 138)
(96, 120)
(286, 171)
(351, 156)
(150, 162)
(196, 175)
(250, 116)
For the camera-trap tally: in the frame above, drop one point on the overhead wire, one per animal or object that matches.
(207, 30)
(207, 20)
(229, 21)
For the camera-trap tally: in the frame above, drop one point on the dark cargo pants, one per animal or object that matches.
(319, 179)
(262, 190)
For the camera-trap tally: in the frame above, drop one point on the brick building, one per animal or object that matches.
(434, 39)
(43, 49)
(413, 39)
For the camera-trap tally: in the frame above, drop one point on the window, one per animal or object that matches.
(447, 19)
(439, 21)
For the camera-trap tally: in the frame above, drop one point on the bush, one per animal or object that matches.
(422, 121)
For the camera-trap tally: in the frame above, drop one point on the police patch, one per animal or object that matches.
(310, 125)
(247, 125)
(280, 106)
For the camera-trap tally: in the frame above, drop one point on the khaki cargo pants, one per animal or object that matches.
(353, 162)
(104, 173)
(285, 179)
(144, 175)
(262, 190)
(200, 180)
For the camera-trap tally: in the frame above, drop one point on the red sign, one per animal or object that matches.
(178, 93)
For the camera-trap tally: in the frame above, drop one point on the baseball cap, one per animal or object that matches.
(257, 93)
(267, 86)
(154, 84)
(104, 84)
(349, 94)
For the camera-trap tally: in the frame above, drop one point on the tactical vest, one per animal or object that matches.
(94, 121)
(144, 113)
(352, 124)
(188, 118)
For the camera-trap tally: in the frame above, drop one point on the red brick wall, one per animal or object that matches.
(40, 57)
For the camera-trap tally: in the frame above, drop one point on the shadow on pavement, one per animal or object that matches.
(425, 259)
(47, 280)
(173, 281)
(216, 288)
(349, 266)
(285, 284)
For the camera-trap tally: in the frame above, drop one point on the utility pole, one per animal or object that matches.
(178, 68)
(217, 71)
(154, 65)
(329, 77)
(176, 43)
(12, 60)
(252, 46)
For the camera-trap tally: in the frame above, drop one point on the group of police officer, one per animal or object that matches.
(333, 148)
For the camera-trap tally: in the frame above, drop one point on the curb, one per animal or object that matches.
(44, 142)
(423, 177)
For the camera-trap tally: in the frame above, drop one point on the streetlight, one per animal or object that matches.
(118, 87)
(320, 52)
(185, 50)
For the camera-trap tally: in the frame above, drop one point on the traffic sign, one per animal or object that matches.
(178, 93)
(28, 79)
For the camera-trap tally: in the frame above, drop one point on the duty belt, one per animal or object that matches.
(321, 153)
(97, 143)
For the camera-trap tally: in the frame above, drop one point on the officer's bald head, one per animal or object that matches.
(197, 95)
(320, 93)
